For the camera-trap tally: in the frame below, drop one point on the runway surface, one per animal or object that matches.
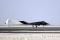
(29, 29)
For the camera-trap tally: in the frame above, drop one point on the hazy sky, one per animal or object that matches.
(31, 10)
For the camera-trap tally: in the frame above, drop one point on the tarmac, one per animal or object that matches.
(29, 29)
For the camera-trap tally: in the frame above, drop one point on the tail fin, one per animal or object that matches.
(23, 22)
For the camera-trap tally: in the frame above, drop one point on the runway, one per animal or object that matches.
(29, 29)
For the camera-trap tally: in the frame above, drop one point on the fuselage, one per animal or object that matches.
(35, 23)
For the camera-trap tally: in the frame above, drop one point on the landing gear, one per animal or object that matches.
(36, 26)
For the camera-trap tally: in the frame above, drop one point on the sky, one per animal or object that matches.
(30, 10)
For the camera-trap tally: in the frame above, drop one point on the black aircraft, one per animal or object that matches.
(35, 23)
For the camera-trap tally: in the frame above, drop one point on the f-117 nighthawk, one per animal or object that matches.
(35, 23)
